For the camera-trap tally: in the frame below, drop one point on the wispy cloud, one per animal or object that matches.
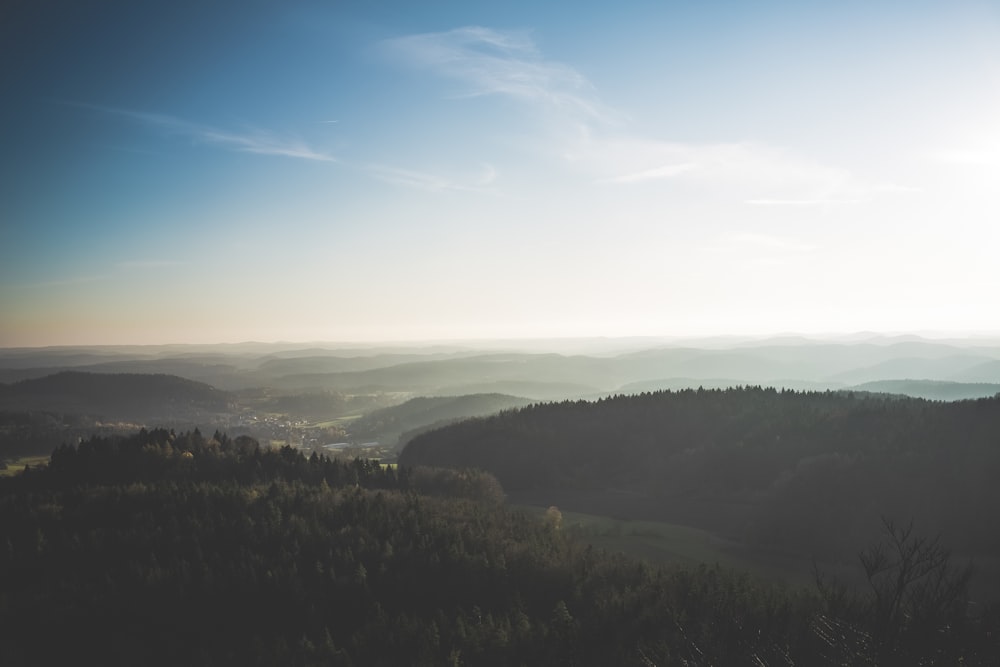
(767, 242)
(488, 176)
(752, 172)
(755, 251)
(410, 178)
(594, 139)
(654, 174)
(801, 202)
(433, 182)
(493, 62)
(257, 141)
(849, 191)
(747, 170)
(985, 156)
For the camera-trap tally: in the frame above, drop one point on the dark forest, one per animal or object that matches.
(177, 548)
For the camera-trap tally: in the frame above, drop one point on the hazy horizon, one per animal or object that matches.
(192, 173)
(562, 344)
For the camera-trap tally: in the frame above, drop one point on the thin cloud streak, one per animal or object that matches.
(655, 174)
(259, 142)
(492, 62)
(508, 63)
(770, 242)
(853, 192)
(410, 178)
(754, 251)
(489, 175)
(756, 173)
(801, 202)
(975, 157)
(429, 182)
(752, 171)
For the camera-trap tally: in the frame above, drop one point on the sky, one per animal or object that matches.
(197, 172)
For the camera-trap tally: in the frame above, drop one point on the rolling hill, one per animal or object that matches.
(417, 414)
(800, 473)
(125, 396)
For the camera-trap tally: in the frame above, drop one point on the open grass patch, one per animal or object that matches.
(662, 542)
(17, 465)
(339, 421)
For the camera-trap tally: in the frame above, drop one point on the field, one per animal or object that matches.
(17, 465)
(661, 542)
(338, 422)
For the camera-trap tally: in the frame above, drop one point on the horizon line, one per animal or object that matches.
(930, 335)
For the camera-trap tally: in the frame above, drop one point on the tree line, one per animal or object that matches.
(166, 548)
(802, 472)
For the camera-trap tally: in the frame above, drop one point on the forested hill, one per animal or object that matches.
(116, 396)
(810, 473)
(931, 389)
(166, 548)
(388, 424)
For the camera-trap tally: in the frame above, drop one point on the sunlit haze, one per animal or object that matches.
(217, 172)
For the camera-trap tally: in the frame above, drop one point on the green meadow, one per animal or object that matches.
(17, 465)
(661, 542)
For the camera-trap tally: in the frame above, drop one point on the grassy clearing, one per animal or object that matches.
(17, 465)
(649, 539)
(673, 543)
(339, 421)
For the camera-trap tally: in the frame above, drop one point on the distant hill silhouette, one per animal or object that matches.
(941, 369)
(580, 370)
(932, 389)
(988, 371)
(809, 473)
(116, 396)
(387, 424)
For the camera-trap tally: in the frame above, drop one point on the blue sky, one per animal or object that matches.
(228, 171)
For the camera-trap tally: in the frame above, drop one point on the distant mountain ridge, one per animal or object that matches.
(804, 472)
(115, 395)
(932, 389)
(425, 412)
(593, 369)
